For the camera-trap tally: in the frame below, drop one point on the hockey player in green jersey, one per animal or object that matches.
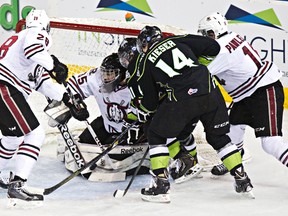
(172, 64)
(182, 149)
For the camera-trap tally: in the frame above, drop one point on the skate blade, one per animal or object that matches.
(248, 194)
(161, 198)
(22, 204)
(218, 176)
(196, 170)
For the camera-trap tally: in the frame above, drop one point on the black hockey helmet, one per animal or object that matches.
(112, 73)
(148, 36)
(127, 50)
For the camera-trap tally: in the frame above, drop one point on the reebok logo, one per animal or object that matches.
(131, 150)
(71, 145)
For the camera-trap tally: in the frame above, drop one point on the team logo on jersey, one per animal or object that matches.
(267, 17)
(12, 128)
(135, 6)
(115, 112)
(192, 91)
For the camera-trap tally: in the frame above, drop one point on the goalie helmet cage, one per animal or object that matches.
(82, 44)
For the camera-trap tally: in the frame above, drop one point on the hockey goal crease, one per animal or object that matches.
(82, 44)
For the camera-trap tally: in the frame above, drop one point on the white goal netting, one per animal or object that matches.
(82, 44)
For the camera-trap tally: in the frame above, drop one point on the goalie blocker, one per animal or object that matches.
(125, 158)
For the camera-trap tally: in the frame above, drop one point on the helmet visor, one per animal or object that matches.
(125, 58)
(110, 79)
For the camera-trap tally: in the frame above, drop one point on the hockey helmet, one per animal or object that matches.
(148, 36)
(127, 50)
(38, 18)
(112, 73)
(214, 23)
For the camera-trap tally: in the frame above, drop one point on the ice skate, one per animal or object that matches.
(159, 190)
(219, 170)
(185, 168)
(243, 184)
(3, 182)
(19, 196)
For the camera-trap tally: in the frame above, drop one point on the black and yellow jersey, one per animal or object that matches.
(172, 64)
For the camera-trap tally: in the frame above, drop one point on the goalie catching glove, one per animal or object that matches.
(59, 72)
(79, 109)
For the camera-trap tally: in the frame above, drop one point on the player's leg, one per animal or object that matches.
(236, 135)
(185, 165)
(268, 122)
(22, 132)
(216, 125)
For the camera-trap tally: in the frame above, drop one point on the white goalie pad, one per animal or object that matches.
(124, 157)
(58, 112)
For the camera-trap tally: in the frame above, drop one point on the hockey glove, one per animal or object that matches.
(78, 109)
(60, 70)
(143, 116)
(132, 134)
(58, 113)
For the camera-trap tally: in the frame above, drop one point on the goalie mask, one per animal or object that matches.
(148, 36)
(126, 51)
(214, 25)
(38, 18)
(112, 73)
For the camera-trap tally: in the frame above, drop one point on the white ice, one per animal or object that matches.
(198, 197)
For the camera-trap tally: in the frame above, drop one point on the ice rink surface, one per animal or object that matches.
(198, 197)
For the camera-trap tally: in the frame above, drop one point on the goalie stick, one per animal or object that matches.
(121, 193)
(49, 190)
(98, 143)
(92, 132)
(68, 138)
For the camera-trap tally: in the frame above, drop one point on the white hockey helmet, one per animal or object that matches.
(215, 22)
(38, 18)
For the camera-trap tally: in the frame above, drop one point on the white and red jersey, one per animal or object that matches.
(240, 69)
(113, 106)
(24, 61)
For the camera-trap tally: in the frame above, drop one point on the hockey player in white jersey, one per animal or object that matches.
(25, 65)
(107, 84)
(254, 86)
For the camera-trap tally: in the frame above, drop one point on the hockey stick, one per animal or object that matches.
(49, 190)
(121, 193)
(69, 141)
(98, 143)
(71, 145)
(92, 132)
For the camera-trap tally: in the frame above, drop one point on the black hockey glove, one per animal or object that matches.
(132, 134)
(143, 116)
(78, 109)
(60, 70)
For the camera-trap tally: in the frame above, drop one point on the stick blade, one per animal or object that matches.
(119, 193)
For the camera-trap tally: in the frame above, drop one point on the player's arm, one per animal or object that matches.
(36, 47)
(201, 46)
(79, 84)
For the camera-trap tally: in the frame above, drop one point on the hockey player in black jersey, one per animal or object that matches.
(172, 64)
(184, 165)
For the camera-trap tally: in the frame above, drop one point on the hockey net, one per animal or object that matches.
(82, 44)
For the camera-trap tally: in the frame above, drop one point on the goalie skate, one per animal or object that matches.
(158, 191)
(19, 197)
